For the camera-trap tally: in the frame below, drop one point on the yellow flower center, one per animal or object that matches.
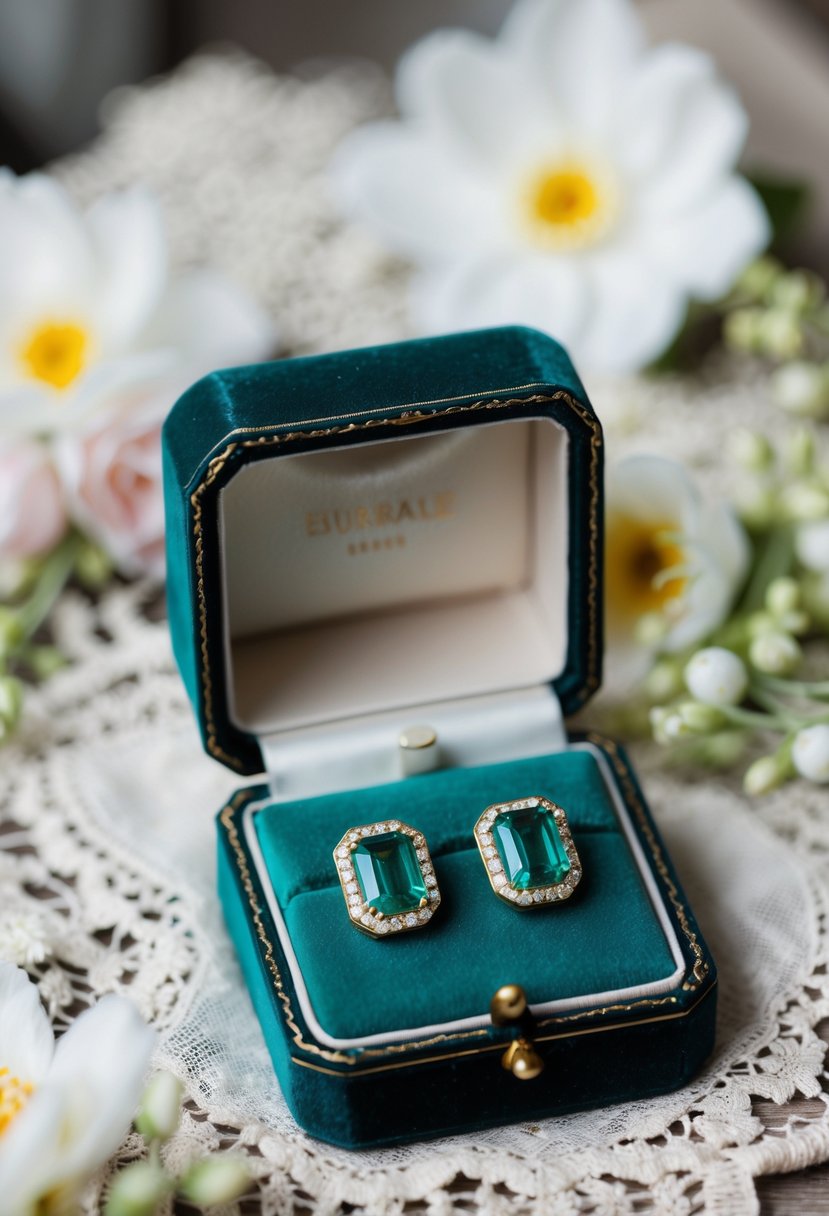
(14, 1094)
(645, 567)
(56, 352)
(569, 205)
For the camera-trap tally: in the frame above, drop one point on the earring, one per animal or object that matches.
(528, 851)
(387, 878)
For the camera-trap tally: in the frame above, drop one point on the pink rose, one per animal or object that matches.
(113, 481)
(32, 511)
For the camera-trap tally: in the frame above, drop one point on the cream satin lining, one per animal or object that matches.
(459, 590)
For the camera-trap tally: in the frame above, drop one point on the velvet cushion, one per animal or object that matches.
(605, 937)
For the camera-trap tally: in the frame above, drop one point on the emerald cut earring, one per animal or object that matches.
(528, 852)
(387, 878)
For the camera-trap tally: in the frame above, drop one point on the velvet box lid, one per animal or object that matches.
(234, 419)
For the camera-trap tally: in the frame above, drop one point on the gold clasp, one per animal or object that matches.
(507, 1007)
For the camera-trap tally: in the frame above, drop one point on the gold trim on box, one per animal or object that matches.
(698, 974)
(544, 1038)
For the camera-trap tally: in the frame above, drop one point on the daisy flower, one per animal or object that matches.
(89, 306)
(674, 562)
(65, 1107)
(564, 176)
(97, 340)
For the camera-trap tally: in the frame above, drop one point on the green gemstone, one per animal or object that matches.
(531, 848)
(388, 872)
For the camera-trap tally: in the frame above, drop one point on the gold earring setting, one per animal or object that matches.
(527, 849)
(387, 878)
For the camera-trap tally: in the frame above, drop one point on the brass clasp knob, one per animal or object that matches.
(509, 1007)
(522, 1060)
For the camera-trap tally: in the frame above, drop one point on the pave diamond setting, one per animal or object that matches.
(387, 878)
(528, 852)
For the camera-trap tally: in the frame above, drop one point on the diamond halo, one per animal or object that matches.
(526, 896)
(362, 912)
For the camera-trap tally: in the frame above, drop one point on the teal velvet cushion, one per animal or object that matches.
(605, 937)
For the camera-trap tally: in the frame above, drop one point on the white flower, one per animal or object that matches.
(562, 176)
(810, 753)
(65, 1107)
(812, 545)
(670, 555)
(717, 676)
(89, 308)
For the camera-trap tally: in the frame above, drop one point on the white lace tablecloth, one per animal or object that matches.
(106, 817)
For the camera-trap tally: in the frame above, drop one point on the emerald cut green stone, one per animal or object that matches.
(530, 847)
(388, 872)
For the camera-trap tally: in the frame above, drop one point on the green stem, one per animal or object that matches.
(52, 578)
(774, 706)
(773, 559)
(814, 690)
(752, 718)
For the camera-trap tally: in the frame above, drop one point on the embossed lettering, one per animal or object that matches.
(384, 514)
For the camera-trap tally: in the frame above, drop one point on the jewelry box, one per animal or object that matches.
(405, 536)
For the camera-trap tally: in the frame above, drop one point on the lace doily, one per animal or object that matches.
(106, 819)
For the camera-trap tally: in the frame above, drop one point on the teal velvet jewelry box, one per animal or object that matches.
(413, 534)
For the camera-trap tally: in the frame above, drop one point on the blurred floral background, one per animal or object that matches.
(548, 163)
(644, 182)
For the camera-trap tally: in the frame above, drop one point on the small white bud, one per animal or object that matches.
(782, 596)
(700, 719)
(805, 501)
(802, 389)
(721, 750)
(138, 1190)
(796, 623)
(776, 654)
(743, 329)
(780, 334)
(812, 545)
(816, 596)
(215, 1180)
(751, 450)
(759, 623)
(758, 506)
(664, 681)
(160, 1110)
(759, 278)
(810, 753)
(796, 291)
(716, 676)
(763, 776)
